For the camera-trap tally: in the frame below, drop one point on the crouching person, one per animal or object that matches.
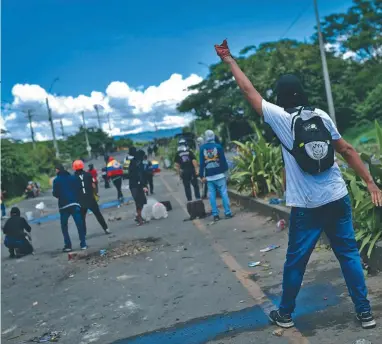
(16, 231)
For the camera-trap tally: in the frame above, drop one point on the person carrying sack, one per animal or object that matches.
(315, 188)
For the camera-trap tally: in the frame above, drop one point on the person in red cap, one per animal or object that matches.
(86, 195)
(115, 173)
(315, 188)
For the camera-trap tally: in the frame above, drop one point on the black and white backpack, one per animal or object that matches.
(312, 143)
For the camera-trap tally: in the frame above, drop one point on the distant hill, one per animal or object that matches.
(150, 135)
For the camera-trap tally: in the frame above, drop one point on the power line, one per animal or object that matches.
(295, 21)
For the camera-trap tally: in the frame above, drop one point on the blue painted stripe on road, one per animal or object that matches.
(56, 216)
(202, 330)
(312, 298)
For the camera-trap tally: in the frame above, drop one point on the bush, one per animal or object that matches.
(258, 167)
(366, 217)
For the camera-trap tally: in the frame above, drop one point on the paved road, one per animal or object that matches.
(171, 282)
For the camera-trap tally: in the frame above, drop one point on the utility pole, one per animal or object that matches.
(108, 118)
(62, 128)
(52, 127)
(328, 87)
(29, 114)
(96, 108)
(88, 147)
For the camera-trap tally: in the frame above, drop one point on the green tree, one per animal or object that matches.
(357, 31)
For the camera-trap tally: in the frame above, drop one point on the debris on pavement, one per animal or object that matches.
(362, 341)
(102, 252)
(275, 201)
(254, 264)
(48, 337)
(269, 248)
(279, 332)
(281, 224)
(35, 303)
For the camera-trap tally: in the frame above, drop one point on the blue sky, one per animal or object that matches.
(89, 44)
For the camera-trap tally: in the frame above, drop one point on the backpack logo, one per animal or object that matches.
(316, 150)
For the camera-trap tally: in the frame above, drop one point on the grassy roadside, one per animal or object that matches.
(44, 181)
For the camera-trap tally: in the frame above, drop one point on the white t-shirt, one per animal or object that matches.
(302, 189)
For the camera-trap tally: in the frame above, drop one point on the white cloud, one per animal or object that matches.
(131, 109)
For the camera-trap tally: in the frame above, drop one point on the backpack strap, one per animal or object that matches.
(291, 128)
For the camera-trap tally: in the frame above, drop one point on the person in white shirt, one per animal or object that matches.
(319, 200)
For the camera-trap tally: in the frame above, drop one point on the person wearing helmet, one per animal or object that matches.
(66, 188)
(187, 169)
(137, 182)
(213, 166)
(115, 173)
(16, 231)
(87, 195)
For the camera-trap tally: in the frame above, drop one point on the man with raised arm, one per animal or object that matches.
(315, 188)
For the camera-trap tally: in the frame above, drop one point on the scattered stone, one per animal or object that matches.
(52, 336)
(362, 341)
(279, 332)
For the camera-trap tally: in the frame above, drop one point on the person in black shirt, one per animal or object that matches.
(187, 168)
(149, 174)
(87, 195)
(137, 182)
(16, 230)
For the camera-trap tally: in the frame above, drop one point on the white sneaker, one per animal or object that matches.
(84, 248)
(107, 231)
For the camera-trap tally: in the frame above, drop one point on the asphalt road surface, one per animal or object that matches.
(170, 281)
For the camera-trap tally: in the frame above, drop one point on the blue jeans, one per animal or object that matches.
(221, 186)
(75, 212)
(3, 212)
(306, 225)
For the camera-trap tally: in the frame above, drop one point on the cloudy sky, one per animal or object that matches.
(134, 59)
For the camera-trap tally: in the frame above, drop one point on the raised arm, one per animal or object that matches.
(250, 92)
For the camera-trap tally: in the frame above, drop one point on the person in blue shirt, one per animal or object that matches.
(213, 166)
(66, 188)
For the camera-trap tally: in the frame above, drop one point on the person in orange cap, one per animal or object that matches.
(86, 195)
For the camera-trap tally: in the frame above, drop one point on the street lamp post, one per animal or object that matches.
(88, 147)
(96, 108)
(29, 115)
(51, 120)
(325, 70)
(108, 118)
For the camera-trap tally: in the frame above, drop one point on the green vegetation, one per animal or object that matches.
(356, 82)
(258, 167)
(367, 218)
(21, 163)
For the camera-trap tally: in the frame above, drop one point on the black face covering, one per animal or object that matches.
(290, 92)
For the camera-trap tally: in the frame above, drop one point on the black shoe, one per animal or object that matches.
(284, 321)
(216, 218)
(229, 216)
(12, 256)
(66, 249)
(366, 319)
